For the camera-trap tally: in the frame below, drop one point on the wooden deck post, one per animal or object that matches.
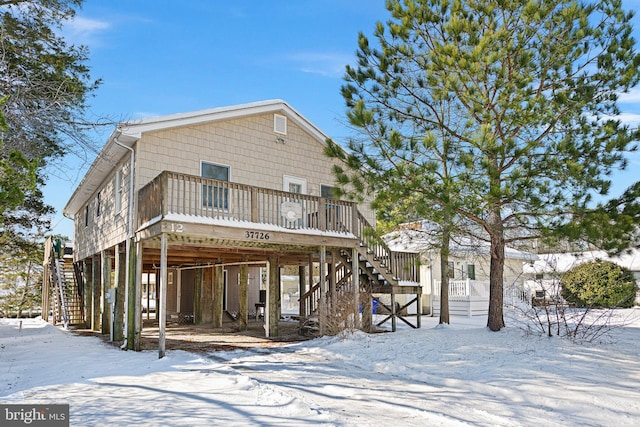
(393, 312)
(118, 321)
(134, 310)
(88, 291)
(355, 279)
(332, 277)
(162, 310)
(301, 291)
(105, 271)
(198, 297)
(255, 208)
(207, 295)
(95, 319)
(46, 289)
(218, 295)
(271, 311)
(244, 298)
(419, 310)
(322, 309)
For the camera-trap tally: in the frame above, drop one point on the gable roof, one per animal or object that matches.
(425, 240)
(126, 134)
(563, 262)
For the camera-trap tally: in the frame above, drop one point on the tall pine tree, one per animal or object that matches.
(524, 95)
(46, 85)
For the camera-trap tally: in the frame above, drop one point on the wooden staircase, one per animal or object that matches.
(380, 270)
(62, 296)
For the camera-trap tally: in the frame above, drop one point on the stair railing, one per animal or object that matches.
(57, 276)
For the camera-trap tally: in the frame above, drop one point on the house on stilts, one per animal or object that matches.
(214, 204)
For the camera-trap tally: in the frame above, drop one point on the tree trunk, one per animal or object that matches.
(495, 320)
(444, 277)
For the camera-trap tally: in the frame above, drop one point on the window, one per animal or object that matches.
(86, 215)
(294, 185)
(280, 124)
(328, 192)
(212, 195)
(471, 271)
(98, 204)
(452, 274)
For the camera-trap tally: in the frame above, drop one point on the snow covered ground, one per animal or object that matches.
(458, 375)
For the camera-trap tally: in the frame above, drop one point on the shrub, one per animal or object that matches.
(599, 284)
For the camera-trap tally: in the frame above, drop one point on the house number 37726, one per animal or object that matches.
(259, 235)
(177, 228)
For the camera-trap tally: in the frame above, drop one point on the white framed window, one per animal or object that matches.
(280, 124)
(293, 184)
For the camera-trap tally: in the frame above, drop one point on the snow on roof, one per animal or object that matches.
(562, 262)
(421, 241)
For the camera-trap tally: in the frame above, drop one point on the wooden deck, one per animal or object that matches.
(209, 221)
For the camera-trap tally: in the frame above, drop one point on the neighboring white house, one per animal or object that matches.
(469, 263)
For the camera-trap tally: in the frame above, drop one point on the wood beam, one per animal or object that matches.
(243, 316)
(95, 319)
(207, 295)
(218, 295)
(273, 285)
(118, 316)
(162, 322)
(105, 271)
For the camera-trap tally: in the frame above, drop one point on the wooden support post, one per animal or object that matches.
(118, 315)
(162, 310)
(332, 277)
(198, 300)
(367, 316)
(243, 316)
(95, 320)
(134, 292)
(355, 279)
(207, 295)
(88, 291)
(273, 285)
(46, 283)
(218, 295)
(302, 289)
(393, 312)
(130, 302)
(311, 283)
(419, 310)
(105, 262)
(323, 312)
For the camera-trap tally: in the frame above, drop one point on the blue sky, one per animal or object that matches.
(162, 57)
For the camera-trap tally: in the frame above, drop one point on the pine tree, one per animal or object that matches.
(520, 95)
(45, 83)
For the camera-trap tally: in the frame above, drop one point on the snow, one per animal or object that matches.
(563, 262)
(424, 241)
(457, 375)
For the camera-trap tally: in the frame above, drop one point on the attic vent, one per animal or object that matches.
(280, 124)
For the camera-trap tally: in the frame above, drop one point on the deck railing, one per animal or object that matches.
(404, 265)
(176, 193)
(465, 288)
